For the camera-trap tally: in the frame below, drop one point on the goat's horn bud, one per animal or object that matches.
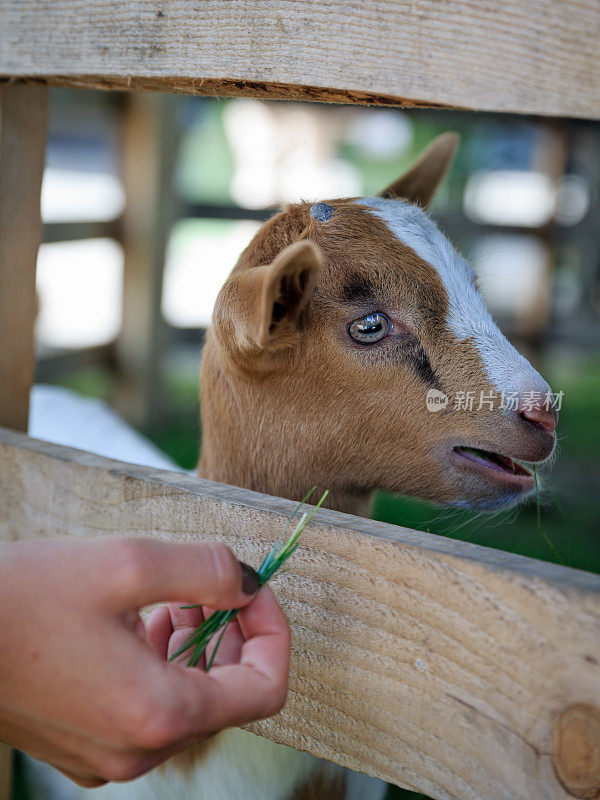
(322, 212)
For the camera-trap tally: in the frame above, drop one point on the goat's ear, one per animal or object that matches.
(258, 309)
(419, 184)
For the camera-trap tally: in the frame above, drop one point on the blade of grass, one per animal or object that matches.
(214, 652)
(218, 621)
(540, 528)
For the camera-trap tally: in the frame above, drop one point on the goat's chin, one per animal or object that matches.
(496, 502)
(473, 498)
(478, 493)
(477, 489)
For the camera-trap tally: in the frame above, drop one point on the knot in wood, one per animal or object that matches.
(576, 750)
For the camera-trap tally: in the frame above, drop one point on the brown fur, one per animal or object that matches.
(289, 401)
(310, 407)
(421, 180)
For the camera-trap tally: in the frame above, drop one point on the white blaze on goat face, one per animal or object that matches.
(468, 318)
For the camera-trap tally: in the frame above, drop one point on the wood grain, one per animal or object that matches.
(539, 57)
(22, 149)
(437, 665)
(263, 90)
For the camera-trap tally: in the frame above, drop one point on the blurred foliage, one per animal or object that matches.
(206, 162)
(187, 231)
(178, 434)
(97, 381)
(20, 784)
(396, 793)
(205, 165)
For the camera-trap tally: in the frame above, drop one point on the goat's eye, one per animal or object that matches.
(370, 329)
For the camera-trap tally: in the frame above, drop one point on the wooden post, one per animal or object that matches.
(149, 140)
(22, 147)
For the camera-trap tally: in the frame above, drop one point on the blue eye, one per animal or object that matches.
(369, 329)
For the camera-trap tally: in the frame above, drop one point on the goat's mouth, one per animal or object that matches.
(494, 466)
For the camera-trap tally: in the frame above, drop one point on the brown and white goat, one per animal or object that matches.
(337, 321)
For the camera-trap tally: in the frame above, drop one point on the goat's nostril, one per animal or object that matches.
(540, 416)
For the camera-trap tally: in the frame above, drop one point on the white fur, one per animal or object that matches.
(468, 317)
(239, 766)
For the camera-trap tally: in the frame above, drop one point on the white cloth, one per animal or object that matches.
(64, 417)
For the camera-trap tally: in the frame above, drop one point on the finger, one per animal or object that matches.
(254, 688)
(71, 754)
(133, 621)
(159, 629)
(264, 661)
(144, 571)
(116, 766)
(184, 621)
(183, 616)
(89, 761)
(230, 647)
(263, 615)
(81, 780)
(267, 636)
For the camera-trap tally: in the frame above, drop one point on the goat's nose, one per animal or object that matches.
(540, 414)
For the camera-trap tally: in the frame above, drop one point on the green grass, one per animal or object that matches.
(216, 624)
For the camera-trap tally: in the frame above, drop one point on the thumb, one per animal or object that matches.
(146, 571)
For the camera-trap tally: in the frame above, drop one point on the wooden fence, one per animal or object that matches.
(452, 669)
(538, 57)
(434, 664)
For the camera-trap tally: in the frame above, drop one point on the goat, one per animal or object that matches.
(338, 320)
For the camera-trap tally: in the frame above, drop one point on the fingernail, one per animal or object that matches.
(250, 579)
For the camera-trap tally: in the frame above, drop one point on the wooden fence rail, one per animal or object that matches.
(438, 665)
(537, 57)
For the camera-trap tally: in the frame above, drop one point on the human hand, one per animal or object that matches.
(86, 687)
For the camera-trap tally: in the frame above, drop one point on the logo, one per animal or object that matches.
(436, 400)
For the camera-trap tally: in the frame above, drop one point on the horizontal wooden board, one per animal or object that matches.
(434, 664)
(538, 57)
